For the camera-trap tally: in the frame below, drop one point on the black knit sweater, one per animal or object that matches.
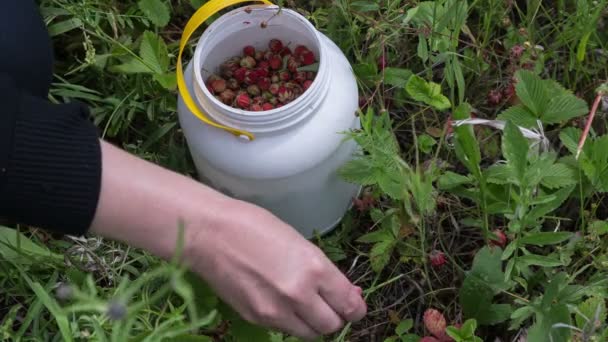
(50, 157)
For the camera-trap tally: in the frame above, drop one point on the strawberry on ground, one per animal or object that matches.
(500, 240)
(435, 323)
(437, 259)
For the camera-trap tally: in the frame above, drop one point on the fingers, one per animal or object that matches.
(344, 298)
(320, 316)
(297, 327)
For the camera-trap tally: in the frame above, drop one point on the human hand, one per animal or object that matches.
(272, 276)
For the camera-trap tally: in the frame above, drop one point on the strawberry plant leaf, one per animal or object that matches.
(381, 254)
(564, 107)
(539, 211)
(519, 115)
(539, 260)
(559, 175)
(570, 137)
(545, 238)
(538, 168)
(531, 91)
(364, 6)
(427, 92)
(397, 77)
(404, 326)
(467, 148)
(499, 174)
(591, 311)
(376, 236)
(515, 150)
(156, 10)
(154, 53)
(450, 180)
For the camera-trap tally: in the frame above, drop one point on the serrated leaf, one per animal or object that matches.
(538, 168)
(359, 171)
(570, 137)
(426, 143)
(561, 196)
(154, 53)
(531, 91)
(467, 148)
(167, 80)
(133, 66)
(564, 107)
(450, 180)
(156, 10)
(404, 326)
(365, 6)
(559, 175)
(499, 174)
(376, 236)
(539, 260)
(520, 116)
(397, 77)
(545, 238)
(381, 254)
(427, 92)
(593, 310)
(598, 228)
(515, 150)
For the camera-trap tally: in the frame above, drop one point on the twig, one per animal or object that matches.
(581, 143)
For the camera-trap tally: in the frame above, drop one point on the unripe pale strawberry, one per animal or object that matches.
(253, 90)
(258, 100)
(293, 64)
(227, 96)
(256, 107)
(429, 339)
(500, 240)
(285, 76)
(310, 75)
(273, 101)
(213, 77)
(274, 88)
(275, 45)
(268, 55)
(233, 84)
(267, 95)
(243, 101)
(274, 78)
(249, 51)
(218, 86)
(259, 56)
(285, 95)
(435, 323)
(248, 62)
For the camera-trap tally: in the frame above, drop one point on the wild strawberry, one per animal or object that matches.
(435, 323)
(500, 240)
(228, 68)
(256, 107)
(262, 72)
(275, 45)
(285, 76)
(517, 51)
(267, 106)
(279, 105)
(381, 62)
(510, 95)
(285, 52)
(240, 74)
(264, 65)
(274, 78)
(249, 51)
(243, 101)
(227, 96)
(274, 88)
(209, 87)
(300, 77)
(429, 339)
(307, 84)
(300, 50)
(275, 63)
(310, 75)
(268, 55)
(274, 101)
(218, 86)
(307, 58)
(267, 95)
(293, 64)
(233, 84)
(248, 62)
(257, 100)
(213, 77)
(253, 90)
(264, 83)
(259, 56)
(437, 258)
(251, 77)
(362, 102)
(494, 97)
(285, 95)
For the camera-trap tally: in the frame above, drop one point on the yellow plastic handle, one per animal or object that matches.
(200, 16)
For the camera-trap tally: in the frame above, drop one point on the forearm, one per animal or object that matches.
(143, 204)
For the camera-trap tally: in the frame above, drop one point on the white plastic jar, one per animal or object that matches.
(290, 168)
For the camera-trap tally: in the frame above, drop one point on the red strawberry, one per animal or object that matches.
(285, 52)
(494, 97)
(267, 106)
(251, 77)
(300, 77)
(264, 83)
(262, 72)
(249, 51)
(240, 74)
(227, 96)
(300, 50)
(268, 55)
(381, 62)
(500, 240)
(243, 100)
(259, 56)
(256, 108)
(285, 76)
(218, 86)
(274, 88)
(429, 339)
(264, 65)
(279, 105)
(307, 84)
(209, 87)
(285, 95)
(517, 51)
(275, 45)
(276, 63)
(435, 323)
(437, 258)
(248, 62)
(258, 100)
(307, 58)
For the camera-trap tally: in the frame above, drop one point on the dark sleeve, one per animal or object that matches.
(50, 162)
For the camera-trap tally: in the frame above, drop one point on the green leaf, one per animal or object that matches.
(570, 137)
(376, 236)
(559, 175)
(64, 26)
(426, 143)
(156, 10)
(397, 77)
(366, 72)
(545, 238)
(467, 148)
(242, 330)
(593, 311)
(16, 247)
(499, 174)
(598, 228)
(422, 49)
(427, 92)
(381, 254)
(153, 51)
(450, 180)
(520, 116)
(167, 80)
(564, 107)
(539, 211)
(132, 66)
(365, 6)
(515, 150)
(404, 326)
(531, 91)
(360, 171)
(539, 260)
